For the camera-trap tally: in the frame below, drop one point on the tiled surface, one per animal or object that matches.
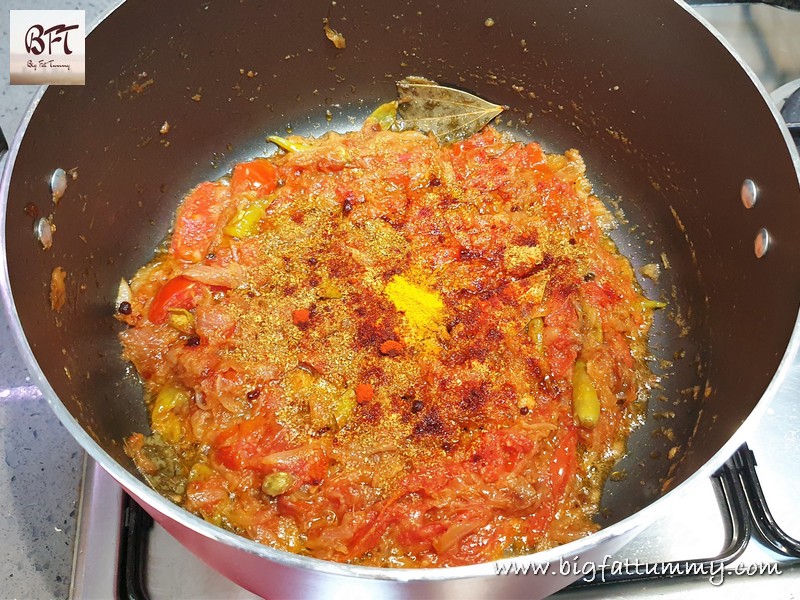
(40, 464)
(768, 39)
(40, 468)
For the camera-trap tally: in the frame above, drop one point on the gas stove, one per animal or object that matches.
(733, 535)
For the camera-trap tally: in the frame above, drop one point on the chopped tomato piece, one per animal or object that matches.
(245, 444)
(179, 292)
(200, 217)
(308, 463)
(391, 348)
(257, 175)
(562, 470)
(369, 534)
(532, 155)
(207, 495)
(258, 444)
(364, 392)
(564, 461)
(301, 317)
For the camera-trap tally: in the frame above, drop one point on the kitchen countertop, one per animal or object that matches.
(40, 464)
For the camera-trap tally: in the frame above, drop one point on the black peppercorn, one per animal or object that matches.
(125, 308)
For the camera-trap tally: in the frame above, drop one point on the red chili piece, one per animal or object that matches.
(364, 392)
(301, 317)
(391, 348)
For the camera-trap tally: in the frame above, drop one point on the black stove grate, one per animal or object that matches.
(745, 511)
(738, 530)
(132, 567)
(764, 523)
(791, 114)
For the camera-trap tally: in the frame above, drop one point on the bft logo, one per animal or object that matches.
(35, 38)
(47, 47)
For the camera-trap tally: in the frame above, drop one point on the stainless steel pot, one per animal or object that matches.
(665, 116)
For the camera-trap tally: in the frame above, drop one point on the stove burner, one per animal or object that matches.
(790, 111)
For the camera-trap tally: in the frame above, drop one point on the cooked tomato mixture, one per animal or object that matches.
(377, 349)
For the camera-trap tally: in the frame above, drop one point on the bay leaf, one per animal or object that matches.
(448, 113)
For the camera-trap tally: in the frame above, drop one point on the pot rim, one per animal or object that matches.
(163, 506)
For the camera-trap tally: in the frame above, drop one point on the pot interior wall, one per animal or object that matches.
(668, 130)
